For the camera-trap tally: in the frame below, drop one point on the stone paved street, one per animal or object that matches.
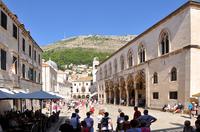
(166, 121)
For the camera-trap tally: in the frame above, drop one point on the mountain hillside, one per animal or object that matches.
(82, 49)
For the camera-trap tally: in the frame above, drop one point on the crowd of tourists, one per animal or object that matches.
(138, 123)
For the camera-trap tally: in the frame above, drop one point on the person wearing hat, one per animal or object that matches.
(66, 127)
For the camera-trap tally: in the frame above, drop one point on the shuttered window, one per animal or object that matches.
(3, 59)
(14, 31)
(3, 20)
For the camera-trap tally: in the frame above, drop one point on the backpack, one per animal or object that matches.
(104, 122)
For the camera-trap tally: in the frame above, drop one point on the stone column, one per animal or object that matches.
(127, 95)
(120, 96)
(136, 97)
(114, 95)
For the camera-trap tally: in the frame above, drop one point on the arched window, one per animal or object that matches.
(173, 74)
(100, 73)
(122, 62)
(110, 68)
(23, 70)
(105, 71)
(130, 59)
(115, 65)
(141, 54)
(164, 43)
(155, 77)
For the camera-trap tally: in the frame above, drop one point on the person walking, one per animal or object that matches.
(190, 108)
(147, 118)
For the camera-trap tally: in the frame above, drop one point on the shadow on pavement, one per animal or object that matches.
(185, 117)
(176, 129)
(179, 128)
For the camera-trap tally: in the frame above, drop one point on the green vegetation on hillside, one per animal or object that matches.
(76, 56)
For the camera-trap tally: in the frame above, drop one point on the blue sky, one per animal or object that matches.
(51, 20)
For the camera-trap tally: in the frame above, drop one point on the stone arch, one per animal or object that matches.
(141, 88)
(131, 91)
(111, 89)
(123, 91)
(117, 93)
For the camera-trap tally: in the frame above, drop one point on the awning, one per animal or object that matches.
(5, 94)
(57, 94)
(41, 95)
(20, 95)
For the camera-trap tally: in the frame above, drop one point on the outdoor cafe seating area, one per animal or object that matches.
(27, 120)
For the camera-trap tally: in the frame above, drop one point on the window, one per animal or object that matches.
(39, 58)
(74, 84)
(3, 20)
(30, 50)
(164, 43)
(122, 62)
(100, 73)
(77, 90)
(14, 31)
(115, 65)
(173, 95)
(23, 45)
(105, 71)
(155, 95)
(35, 55)
(130, 59)
(141, 53)
(30, 74)
(155, 78)
(110, 68)
(34, 76)
(39, 78)
(23, 71)
(3, 59)
(173, 74)
(14, 63)
(86, 84)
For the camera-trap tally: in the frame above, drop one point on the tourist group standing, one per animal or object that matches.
(138, 123)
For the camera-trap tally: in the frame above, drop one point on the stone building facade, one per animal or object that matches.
(160, 66)
(20, 63)
(81, 88)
